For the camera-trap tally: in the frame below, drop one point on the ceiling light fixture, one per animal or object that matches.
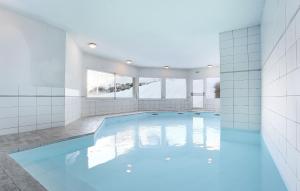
(209, 66)
(166, 67)
(128, 61)
(92, 45)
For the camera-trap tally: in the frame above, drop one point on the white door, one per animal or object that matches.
(198, 93)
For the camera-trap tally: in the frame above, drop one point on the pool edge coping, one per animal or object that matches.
(24, 181)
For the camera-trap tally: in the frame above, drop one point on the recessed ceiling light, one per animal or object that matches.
(209, 66)
(166, 67)
(128, 61)
(92, 45)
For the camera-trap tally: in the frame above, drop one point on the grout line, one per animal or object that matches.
(36, 96)
(248, 79)
(18, 111)
(233, 96)
(51, 109)
(252, 70)
(286, 26)
(248, 76)
(286, 69)
(36, 111)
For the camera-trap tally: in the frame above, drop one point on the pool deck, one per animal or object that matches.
(12, 176)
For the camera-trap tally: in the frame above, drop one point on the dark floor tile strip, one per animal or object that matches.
(20, 179)
(6, 183)
(12, 176)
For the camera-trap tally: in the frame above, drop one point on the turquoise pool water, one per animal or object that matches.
(156, 152)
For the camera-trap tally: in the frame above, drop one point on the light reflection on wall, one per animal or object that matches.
(176, 135)
(150, 136)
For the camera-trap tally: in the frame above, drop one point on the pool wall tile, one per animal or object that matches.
(240, 78)
(280, 87)
(28, 108)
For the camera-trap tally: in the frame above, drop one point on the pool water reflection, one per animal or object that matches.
(168, 151)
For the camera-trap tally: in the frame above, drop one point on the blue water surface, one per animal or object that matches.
(166, 151)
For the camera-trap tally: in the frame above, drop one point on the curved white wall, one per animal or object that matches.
(98, 106)
(32, 53)
(43, 78)
(32, 74)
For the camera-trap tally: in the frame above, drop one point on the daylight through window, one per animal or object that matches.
(175, 88)
(150, 88)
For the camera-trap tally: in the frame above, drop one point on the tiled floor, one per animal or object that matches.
(13, 176)
(15, 142)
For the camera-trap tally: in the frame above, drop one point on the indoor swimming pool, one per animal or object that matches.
(166, 151)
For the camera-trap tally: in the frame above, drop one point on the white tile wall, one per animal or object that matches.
(240, 78)
(165, 105)
(209, 105)
(91, 107)
(94, 106)
(29, 108)
(72, 105)
(280, 87)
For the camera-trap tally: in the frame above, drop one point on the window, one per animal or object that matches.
(106, 85)
(100, 84)
(212, 88)
(175, 88)
(124, 86)
(150, 88)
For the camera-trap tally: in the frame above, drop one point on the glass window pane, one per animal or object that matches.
(124, 86)
(175, 88)
(212, 88)
(100, 84)
(150, 88)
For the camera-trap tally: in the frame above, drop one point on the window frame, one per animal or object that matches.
(133, 87)
(115, 95)
(136, 91)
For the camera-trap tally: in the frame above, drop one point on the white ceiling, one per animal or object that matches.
(178, 33)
